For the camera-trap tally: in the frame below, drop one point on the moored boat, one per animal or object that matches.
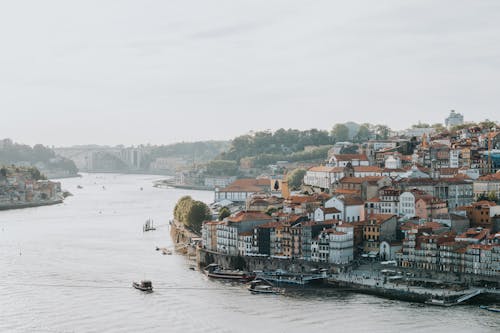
(148, 226)
(490, 308)
(259, 286)
(144, 285)
(217, 272)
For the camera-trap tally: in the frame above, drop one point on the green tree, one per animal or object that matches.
(271, 210)
(191, 213)
(488, 124)
(340, 132)
(295, 178)
(222, 168)
(197, 213)
(363, 134)
(492, 196)
(223, 213)
(438, 127)
(182, 207)
(382, 131)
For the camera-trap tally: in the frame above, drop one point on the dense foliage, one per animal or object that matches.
(13, 153)
(223, 213)
(33, 172)
(295, 178)
(280, 143)
(202, 151)
(222, 168)
(191, 213)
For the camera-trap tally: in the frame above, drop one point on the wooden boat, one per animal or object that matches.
(490, 308)
(148, 226)
(144, 285)
(259, 286)
(216, 272)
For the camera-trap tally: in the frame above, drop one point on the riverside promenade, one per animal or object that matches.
(406, 287)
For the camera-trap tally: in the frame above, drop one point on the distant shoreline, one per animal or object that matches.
(30, 204)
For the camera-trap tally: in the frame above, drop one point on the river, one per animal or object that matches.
(69, 268)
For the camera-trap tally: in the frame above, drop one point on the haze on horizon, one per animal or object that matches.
(131, 72)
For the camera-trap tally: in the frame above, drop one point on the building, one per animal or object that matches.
(209, 235)
(229, 230)
(241, 189)
(482, 213)
(323, 214)
(454, 119)
(323, 177)
(351, 207)
(333, 246)
(428, 207)
(378, 228)
(341, 160)
(456, 192)
(487, 185)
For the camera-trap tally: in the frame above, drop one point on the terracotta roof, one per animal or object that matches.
(352, 201)
(247, 185)
(298, 199)
(346, 191)
(379, 218)
(334, 232)
(432, 225)
(448, 171)
(474, 233)
(483, 203)
(248, 216)
(330, 210)
(491, 177)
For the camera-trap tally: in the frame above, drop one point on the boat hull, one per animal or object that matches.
(141, 288)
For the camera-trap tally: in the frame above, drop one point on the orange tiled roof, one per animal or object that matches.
(249, 216)
(247, 185)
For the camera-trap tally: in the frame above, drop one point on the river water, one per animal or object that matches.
(69, 268)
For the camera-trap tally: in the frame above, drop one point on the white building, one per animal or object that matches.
(233, 226)
(393, 162)
(454, 158)
(333, 246)
(323, 214)
(241, 189)
(351, 208)
(454, 119)
(323, 176)
(245, 243)
(341, 160)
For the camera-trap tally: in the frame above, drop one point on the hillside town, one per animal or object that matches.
(427, 203)
(22, 187)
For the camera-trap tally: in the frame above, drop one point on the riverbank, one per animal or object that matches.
(343, 278)
(30, 204)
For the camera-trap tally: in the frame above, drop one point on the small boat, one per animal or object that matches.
(490, 308)
(148, 226)
(166, 251)
(260, 286)
(79, 186)
(144, 285)
(217, 272)
(439, 302)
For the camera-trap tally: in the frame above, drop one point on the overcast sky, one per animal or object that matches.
(131, 72)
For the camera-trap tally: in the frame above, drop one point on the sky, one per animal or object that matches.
(144, 71)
